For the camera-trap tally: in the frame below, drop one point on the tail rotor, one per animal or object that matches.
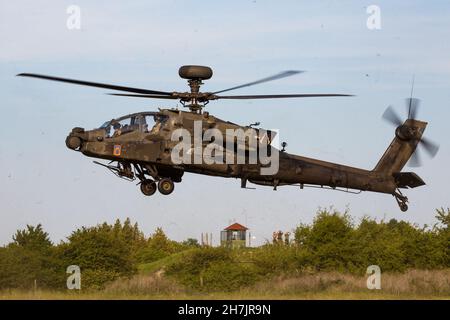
(406, 131)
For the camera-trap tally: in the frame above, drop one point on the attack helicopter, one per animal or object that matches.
(141, 145)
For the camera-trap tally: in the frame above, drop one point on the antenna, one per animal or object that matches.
(410, 100)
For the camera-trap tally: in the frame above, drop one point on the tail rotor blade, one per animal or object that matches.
(430, 147)
(415, 160)
(391, 116)
(412, 107)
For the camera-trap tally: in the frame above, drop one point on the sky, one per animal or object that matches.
(143, 43)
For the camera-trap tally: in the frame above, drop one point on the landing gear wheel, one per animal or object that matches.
(148, 187)
(401, 200)
(166, 186)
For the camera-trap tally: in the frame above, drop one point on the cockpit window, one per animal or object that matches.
(142, 122)
(154, 123)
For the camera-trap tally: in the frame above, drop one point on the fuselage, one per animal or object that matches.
(135, 141)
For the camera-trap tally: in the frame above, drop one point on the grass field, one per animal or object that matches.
(48, 295)
(148, 268)
(413, 284)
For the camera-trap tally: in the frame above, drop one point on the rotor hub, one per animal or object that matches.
(405, 132)
(195, 99)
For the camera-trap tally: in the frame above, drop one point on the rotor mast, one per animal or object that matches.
(195, 75)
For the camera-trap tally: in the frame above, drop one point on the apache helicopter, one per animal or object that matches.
(139, 145)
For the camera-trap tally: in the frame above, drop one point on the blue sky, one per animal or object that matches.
(143, 43)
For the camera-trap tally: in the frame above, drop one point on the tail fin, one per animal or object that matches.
(401, 148)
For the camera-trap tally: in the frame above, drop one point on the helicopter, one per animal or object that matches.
(142, 145)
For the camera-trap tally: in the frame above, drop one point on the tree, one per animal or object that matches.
(443, 216)
(32, 238)
(103, 253)
(158, 246)
(329, 240)
(191, 242)
(30, 261)
(378, 244)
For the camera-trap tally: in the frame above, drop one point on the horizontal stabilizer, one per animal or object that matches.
(407, 180)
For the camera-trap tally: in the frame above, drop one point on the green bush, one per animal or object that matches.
(102, 250)
(329, 241)
(212, 269)
(332, 242)
(159, 246)
(276, 259)
(94, 279)
(377, 245)
(30, 261)
(443, 216)
(228, 276)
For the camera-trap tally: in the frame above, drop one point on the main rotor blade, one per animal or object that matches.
(93, 84)
(430, 147)
(391, 116)
(274, 77)
(142, 96)
(278, 96)
(412, 107)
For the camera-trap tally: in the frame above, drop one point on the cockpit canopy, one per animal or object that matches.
(146, 122)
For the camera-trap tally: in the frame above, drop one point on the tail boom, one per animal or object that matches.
(407, 137)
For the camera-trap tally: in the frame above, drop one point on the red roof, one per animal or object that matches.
(236, 227)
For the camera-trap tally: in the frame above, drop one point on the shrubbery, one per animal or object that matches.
(212, 269)
(333, 242)
(103, 253)
(30, 261)
(158, 246)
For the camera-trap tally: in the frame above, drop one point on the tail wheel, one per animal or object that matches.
(402, 200)
(148, 187)
(166, 186)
